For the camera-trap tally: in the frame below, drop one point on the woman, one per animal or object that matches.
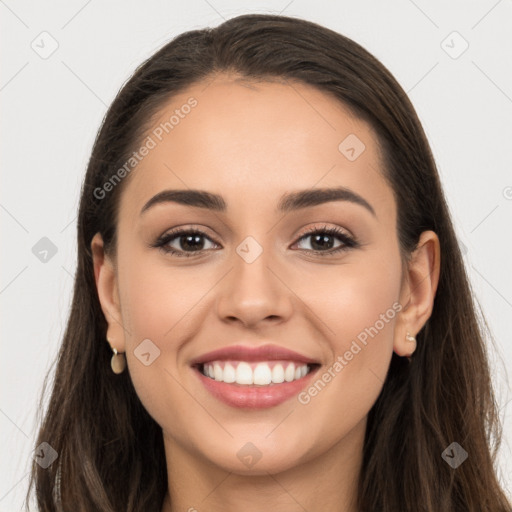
(270, 305)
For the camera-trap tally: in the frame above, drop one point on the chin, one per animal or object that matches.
(257, 458)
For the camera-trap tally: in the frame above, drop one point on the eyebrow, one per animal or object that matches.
(288, 202)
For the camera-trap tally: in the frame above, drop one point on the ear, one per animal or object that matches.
(418, 291)
(106, 284)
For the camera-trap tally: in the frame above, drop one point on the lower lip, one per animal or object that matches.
(254, 396)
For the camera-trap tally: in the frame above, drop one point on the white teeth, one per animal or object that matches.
(261, 374)
(243, 374)
(229, 373)
(217, 371)
(289, 373)
(278, 374)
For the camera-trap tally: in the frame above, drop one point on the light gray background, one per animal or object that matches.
(52, 108)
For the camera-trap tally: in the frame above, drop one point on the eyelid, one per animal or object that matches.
(163, 240)
(325, 227)
(310, 230)
(348, 240)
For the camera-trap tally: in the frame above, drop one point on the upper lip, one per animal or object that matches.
(245, 353)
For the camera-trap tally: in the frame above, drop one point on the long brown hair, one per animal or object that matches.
(110, 451)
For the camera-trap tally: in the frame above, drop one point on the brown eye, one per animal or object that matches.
(323, 240)
(191, 242)
(187, 242)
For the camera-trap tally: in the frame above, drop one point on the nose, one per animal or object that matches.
(254, 293)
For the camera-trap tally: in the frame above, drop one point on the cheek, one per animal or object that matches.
(357, 302)
(349, 307)
(359, 314)
(160, 310)
(156, 298)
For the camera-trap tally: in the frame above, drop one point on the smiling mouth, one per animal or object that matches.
(255, 374)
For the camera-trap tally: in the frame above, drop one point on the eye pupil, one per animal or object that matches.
(322, 241)
(191, 242)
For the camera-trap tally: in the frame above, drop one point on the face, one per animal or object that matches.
(321, 277)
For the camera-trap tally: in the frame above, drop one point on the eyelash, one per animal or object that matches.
(161, 243)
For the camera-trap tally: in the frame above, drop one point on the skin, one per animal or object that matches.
(251, 143)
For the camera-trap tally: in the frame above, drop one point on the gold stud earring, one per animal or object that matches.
(118, 361)
(411, 338)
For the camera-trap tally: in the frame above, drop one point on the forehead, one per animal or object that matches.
(254, 141)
